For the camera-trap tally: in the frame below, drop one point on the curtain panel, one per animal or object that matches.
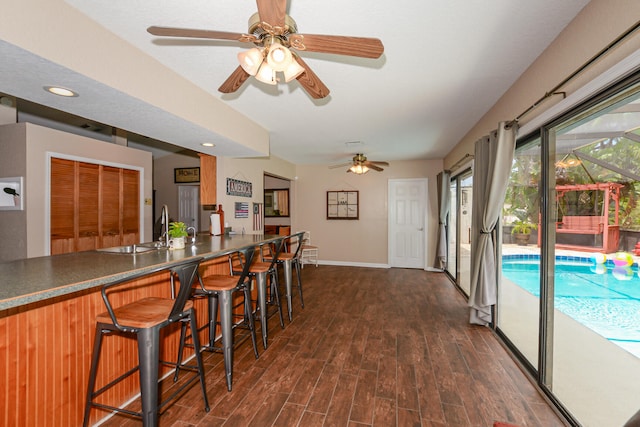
(444, 205)
(492, 167)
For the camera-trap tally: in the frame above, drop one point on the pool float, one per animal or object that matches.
(599, 258)
(623, 259)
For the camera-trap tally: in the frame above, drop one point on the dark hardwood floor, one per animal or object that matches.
(372, 347)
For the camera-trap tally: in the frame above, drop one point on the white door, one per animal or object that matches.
(407, 210)
(189, 205)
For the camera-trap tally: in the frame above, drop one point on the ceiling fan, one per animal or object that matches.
(274, 33)
(360, 165)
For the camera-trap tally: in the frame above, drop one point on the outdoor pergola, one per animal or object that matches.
(601, 224)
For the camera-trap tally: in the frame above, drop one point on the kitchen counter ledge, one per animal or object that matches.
(33, 280)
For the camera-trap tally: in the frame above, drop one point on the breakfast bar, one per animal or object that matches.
(48, 307)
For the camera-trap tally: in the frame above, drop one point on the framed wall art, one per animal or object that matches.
(343, 204)
(186, 175)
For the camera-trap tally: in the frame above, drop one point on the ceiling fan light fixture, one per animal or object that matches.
(279, 57)
(251, 60)
(266, 74)
(359, 169)
(293, 71)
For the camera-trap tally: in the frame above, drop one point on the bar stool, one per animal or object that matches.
(287, 260)
(260, 270)
(144, 319)
(309, 252)
(219, 290)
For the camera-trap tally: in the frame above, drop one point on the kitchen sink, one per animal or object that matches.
(132, 249)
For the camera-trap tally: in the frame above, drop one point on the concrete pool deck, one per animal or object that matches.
(596, 380)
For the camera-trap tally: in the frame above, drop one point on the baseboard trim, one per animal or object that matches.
(354, 264)
(370, 265)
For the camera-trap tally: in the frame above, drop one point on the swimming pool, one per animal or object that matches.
(604, 297)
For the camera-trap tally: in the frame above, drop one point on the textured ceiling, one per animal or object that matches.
(445, 64)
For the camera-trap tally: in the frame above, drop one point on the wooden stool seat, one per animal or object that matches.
(219, 282)
(284, 255)
(144, 313)
(259, 267)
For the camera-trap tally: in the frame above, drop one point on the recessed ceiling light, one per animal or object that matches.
(61, 91)
(208, 144)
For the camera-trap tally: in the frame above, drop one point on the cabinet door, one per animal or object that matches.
(63, 193)
(88, 206)
(208, 179)
(130, 206)
(111, 203)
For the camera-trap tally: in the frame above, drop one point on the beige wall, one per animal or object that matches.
(13, 163)
(167, 190)
(251, 170)
(599, 23)
(37, 141)
(361, 242)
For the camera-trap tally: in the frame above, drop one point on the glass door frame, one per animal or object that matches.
(458, 177)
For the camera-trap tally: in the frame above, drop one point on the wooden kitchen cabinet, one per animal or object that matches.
(208, 179)
(93, 206)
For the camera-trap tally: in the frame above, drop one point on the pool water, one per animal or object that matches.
(603, 297)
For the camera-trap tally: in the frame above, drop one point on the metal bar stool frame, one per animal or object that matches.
(221, 298)
(148, 338)
(288, 260)
(260, 270)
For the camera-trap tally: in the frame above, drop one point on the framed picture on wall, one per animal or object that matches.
(186, 175)
(343, 204)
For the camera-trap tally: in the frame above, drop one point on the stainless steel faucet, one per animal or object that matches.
(164, 220)
(191, 239)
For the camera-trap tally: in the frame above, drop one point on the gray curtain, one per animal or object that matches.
(492, 167)
(444, 204)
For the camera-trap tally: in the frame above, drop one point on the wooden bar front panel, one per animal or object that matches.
(45, 353)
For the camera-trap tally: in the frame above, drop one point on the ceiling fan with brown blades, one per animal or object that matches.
(360, 165)
(275, 35)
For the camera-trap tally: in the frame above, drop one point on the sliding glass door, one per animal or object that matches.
(569, 292)
(519, 290)
(596, 297)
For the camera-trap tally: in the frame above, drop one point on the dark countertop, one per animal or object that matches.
(36, 279)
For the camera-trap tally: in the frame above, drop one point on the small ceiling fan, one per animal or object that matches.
(274, 33)
(360, 165)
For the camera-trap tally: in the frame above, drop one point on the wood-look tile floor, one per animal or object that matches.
(372, 347)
